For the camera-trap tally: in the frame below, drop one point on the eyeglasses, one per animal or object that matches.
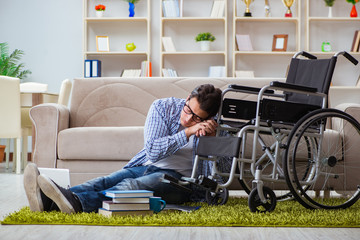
(194, 117)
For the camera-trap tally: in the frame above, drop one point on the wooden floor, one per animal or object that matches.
(12, 198)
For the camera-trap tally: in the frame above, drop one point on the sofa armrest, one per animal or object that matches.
(351, 108)
(48, 119)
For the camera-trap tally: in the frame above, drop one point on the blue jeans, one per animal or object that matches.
(91, 194)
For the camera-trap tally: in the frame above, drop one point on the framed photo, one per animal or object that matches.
(102, 44)
(280, 42)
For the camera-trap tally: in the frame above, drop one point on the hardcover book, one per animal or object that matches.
(108, 213)
(109, 205)
(129, 193)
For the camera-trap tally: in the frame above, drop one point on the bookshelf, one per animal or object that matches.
(261, 28)
(194, 17)
(121, 29)
(338, 30)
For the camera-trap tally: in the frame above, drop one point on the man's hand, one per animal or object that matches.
(205, 128)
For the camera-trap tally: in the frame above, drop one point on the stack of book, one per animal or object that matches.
(92, 68)
(217, 71)
(132, 202)
(169, 72)
(146, 69)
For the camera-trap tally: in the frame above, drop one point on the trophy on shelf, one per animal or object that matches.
(247, 11)
(288, 4)
(267, 9)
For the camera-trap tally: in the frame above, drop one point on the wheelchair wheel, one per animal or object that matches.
(256, 205)
(332, 138)
(219, 198)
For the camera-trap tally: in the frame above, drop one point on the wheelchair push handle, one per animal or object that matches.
(348, 56)
(305, 54)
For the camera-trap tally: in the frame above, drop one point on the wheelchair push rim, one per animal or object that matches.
(332, 167)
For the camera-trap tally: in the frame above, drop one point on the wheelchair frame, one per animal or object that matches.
(262, 198)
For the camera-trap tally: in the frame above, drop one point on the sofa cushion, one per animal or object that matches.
(99, 143)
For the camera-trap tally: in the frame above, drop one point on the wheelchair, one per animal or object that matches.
(288, 140)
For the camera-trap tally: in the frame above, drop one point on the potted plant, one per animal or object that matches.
(353, 12)
(330, 4)
(9, 65)
(100, 9)
(205, 39)
(132, 7)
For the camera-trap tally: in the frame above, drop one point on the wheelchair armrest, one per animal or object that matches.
(249, 89)
(293, 86)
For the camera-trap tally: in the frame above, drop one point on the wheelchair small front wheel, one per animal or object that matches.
(217, 198)
(255, 203)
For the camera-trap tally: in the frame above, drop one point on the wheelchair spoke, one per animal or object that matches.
(330, 165)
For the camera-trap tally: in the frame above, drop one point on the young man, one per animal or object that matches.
(171, 130)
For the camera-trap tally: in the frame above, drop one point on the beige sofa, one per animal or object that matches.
(103, 128)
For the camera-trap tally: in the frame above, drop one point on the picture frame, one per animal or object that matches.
(102, 44)
(280, 42)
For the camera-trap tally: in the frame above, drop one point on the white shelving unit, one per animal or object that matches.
(121, 29)
(338, 30)
(262, 60)
(188, 60)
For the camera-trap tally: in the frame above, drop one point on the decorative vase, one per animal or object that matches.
(205, 46)
(131, 9)
(353, 12)
(99, 14)
(330, 13)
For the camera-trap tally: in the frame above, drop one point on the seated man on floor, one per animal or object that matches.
(171, 130)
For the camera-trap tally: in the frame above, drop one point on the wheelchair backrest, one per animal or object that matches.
(316, 73)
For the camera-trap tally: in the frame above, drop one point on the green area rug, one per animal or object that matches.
(234, 213)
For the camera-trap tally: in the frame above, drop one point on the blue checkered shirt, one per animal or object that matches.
(162, 137)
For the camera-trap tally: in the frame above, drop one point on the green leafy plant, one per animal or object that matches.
(329, 3)
(205, 37)
(132, 1)
(352, 1)
(9, 65)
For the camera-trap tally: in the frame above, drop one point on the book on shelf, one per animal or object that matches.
(131, 73)
(128, 193)
(243, 42)
(109, 213)
(168, 72)
(217, 71)
(168, 44)
(358, 82)
(96, 68)
(146, 69)
(92, 68)
(356, 42)
(110, 205)
(244, 74)
(171, 8)
(218, 8)
(87, 68)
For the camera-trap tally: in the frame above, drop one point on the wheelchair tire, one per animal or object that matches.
(217, 198)
(256, 205)
(332, 166)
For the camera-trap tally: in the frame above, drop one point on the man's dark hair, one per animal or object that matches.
(208, 97)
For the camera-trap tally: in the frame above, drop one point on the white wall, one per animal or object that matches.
(50, 34)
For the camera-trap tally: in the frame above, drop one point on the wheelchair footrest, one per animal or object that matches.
(203, 182)
(175, 182)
